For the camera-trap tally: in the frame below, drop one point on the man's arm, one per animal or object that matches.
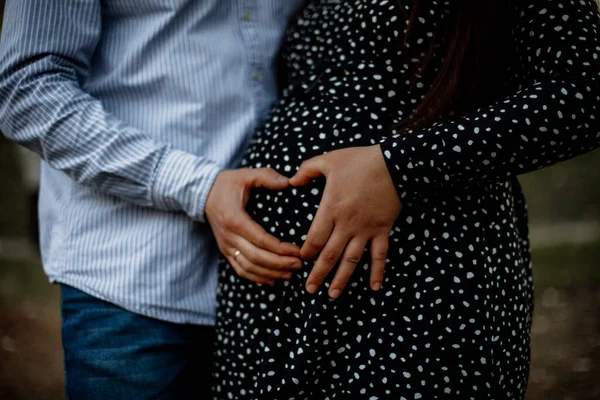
(45, 55)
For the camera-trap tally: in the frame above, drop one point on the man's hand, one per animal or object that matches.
(253, 253)
(359, 205)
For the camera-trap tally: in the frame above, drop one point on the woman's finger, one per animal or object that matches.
(318, 235)
(309, 170)
(351, 257)
(379, 249)
(327, 259)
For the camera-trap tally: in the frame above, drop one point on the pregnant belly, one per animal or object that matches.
(297, 130)
(286, 214)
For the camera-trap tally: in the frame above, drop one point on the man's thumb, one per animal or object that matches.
(269, 179)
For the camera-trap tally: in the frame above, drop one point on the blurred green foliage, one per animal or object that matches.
(22, 280)
(566, 265)
(565, 192)
(13, 200)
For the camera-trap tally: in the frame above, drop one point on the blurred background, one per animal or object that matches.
(565, 230)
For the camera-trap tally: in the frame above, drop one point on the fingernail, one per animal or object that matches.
(335, 293)
(287, 276)
(376, 286)
(312, 288)
(297, 265)
(282, 179)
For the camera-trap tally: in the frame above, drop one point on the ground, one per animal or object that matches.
(566, 329)
(565, 215)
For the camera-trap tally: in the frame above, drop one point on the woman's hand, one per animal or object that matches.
(253, 253)
(359, 205)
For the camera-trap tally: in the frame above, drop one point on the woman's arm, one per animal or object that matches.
(554, 117)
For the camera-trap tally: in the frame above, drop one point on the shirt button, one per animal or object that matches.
(255, 75)
(246, 16)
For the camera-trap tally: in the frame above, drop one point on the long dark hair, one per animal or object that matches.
(471, 40)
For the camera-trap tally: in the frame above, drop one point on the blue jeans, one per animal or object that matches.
(111, 353)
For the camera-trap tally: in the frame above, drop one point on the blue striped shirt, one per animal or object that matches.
(135, 106)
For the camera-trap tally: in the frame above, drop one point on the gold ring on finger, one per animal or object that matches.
(236, 254)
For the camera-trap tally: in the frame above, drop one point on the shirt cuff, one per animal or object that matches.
(182, 183)
(413, 178)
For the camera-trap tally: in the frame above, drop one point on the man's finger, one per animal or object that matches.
(309, 170)
(267, 178)
(326, 261)
(248, 275)
(318, 235)
(351, 257)
(264, 258)
(379, 249)
(252, 268)
(255, 234)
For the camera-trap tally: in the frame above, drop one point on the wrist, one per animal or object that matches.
(183, 182)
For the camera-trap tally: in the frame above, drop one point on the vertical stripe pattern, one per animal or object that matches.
(135, 106)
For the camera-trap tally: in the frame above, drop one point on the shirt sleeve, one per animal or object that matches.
(551, 119)
(45, 54)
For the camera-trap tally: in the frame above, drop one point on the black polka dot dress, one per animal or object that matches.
(452, 320)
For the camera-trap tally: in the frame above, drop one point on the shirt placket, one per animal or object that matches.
(250, 15)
